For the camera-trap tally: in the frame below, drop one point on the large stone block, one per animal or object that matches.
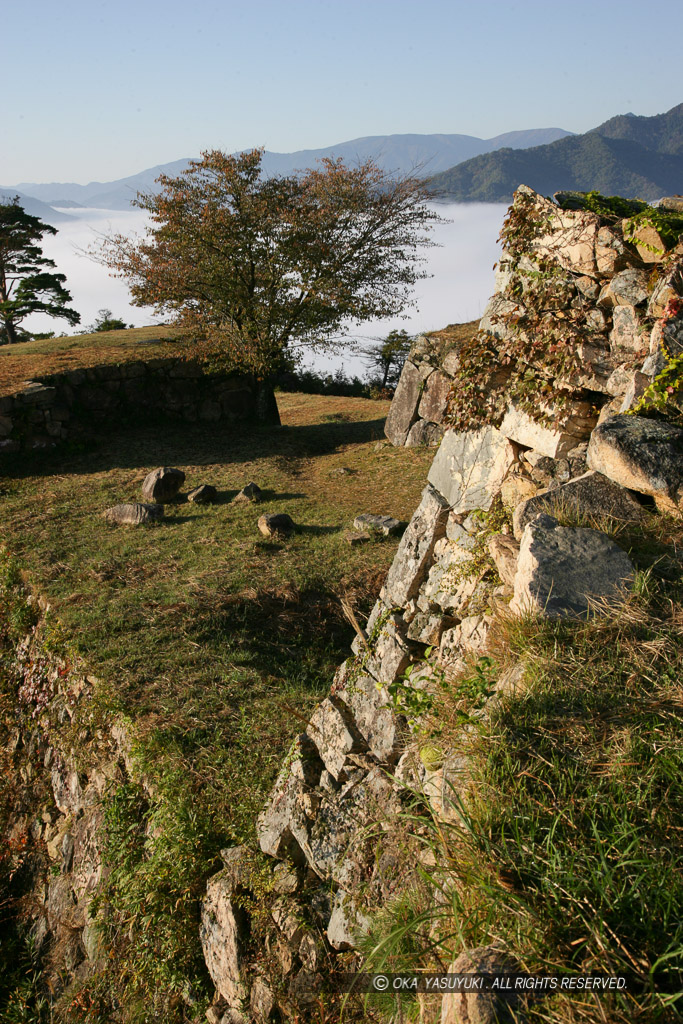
(282, 828)
(434, 398)
(469, 467)
(335, 734)
(628, 288)
(372, 715)
(642, 454)
(411, 561)
(591, 495)
(403, 410)
(625, 336)
(563, 571)
(223, 933)
(576, 423)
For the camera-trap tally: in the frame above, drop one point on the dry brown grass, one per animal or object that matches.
(33, 360)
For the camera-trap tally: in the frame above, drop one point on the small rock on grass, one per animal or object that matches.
(133, 514)
(354, 538)
(203, 495)
(162, 484)
(380, 524)
(252, 492)
(279, 524)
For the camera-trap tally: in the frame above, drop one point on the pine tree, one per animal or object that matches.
(26, 283)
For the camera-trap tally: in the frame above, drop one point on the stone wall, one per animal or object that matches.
(76, 403)
(603, 295)
(329, 820)
(419, 408)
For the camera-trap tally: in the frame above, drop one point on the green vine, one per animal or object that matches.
(657, 397)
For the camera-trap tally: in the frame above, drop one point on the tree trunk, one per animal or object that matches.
(11, 332)
(266, 403)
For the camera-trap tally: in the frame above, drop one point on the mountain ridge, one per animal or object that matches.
(397, 152)
(626, 155)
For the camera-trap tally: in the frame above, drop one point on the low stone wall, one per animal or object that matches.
(76, 403)
(419, 408)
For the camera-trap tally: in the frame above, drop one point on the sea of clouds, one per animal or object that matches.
(460, 265)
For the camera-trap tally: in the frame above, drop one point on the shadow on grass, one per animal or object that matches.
(179, 444)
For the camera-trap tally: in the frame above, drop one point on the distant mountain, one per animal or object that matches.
(34, 206)
(403, 154)
(627, 155)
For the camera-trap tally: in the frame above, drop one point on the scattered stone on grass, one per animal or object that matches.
(278, 524)
(380, 524)
(162, 484)
(356, 537)
(133, 514)
(205, 494)
(252, 492)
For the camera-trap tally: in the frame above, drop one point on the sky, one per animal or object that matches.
(100, 90)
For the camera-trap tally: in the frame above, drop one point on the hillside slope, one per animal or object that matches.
(627, 155)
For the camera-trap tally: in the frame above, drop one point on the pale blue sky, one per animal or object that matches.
(101, 90)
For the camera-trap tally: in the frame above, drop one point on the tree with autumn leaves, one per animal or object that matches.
(252, 267)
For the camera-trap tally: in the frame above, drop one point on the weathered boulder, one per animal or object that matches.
(356, 537)
(428, 627)
(415, 550)
(576, 423)
(403, 410)
(518, 485)
(133, 514)
(474, 1006)
(563, 571)
(469, 467)
(385, 525)
(277, 524)
(205, 494)
(591, 495)
(250, 492)
(650, 244)
(668, 288)
(281, 827)
(642, 454)
(389, 654)
(469, 637)
(626, 335)
(162, 484)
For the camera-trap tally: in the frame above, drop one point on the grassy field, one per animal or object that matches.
(31, 359)
(214, 641)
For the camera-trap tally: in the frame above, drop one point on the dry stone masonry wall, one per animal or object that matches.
(76, 403)
(568, 444)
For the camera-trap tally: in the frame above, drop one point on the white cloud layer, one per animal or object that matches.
(460, 285)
